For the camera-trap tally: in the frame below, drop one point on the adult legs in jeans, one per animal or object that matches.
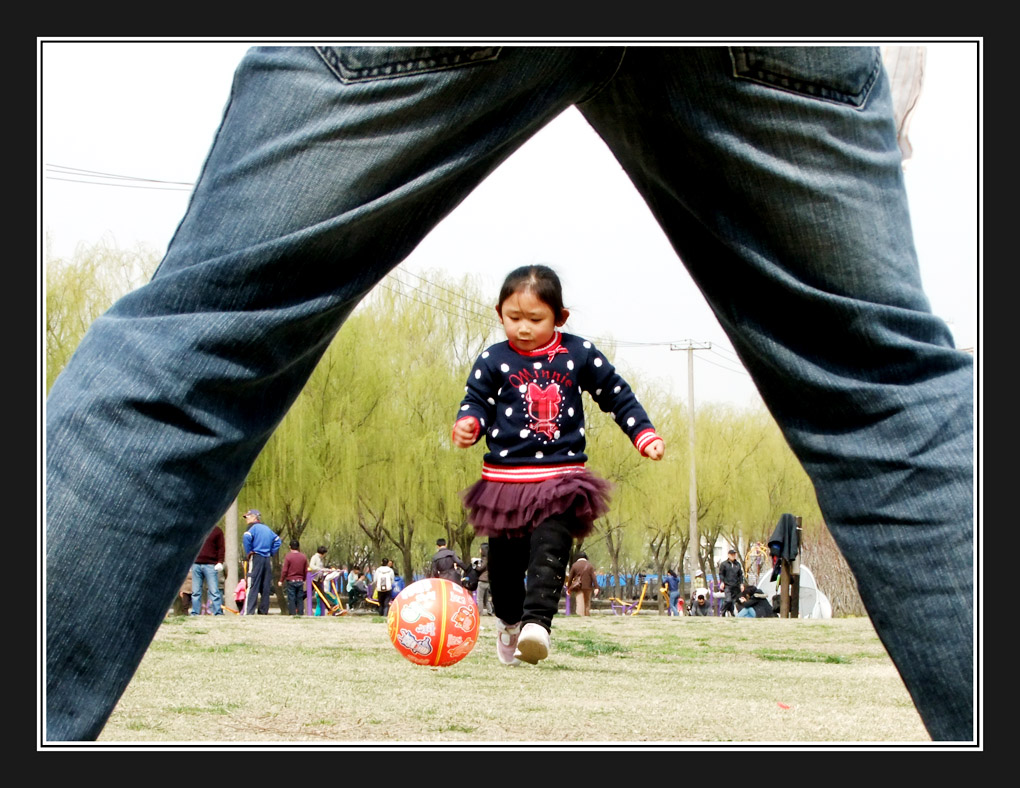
(295, 597)
(776, 175)
(313, 189)
(540, 559)
(205, 575)
(788, 210)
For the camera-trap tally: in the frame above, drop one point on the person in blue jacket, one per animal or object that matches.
(672, 585)
(260, 544)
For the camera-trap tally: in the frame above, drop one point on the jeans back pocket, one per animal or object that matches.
(844, 75)
(361, 64)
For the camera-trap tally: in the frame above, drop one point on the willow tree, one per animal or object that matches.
(773, 482)
(362, 454)
(725, 445)
(308, 469)
(407, 486)
(80, 289)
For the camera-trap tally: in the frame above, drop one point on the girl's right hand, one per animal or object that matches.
(465, 432)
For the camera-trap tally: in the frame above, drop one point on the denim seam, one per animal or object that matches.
(602, 85)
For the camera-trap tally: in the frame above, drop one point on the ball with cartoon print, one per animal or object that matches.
(433, 622)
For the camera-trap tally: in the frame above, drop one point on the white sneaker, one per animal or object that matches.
(533, 643)
(506, 642)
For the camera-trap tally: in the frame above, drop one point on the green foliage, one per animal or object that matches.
(80, 289)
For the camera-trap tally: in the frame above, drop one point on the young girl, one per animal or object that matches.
(535, 495)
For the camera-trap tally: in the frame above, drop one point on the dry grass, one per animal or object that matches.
(638, 679)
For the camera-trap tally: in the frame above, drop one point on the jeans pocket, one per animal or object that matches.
(362, 64)
(844, 75)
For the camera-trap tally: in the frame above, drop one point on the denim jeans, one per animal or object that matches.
(206, 574)
(296, 597)
(773, 171)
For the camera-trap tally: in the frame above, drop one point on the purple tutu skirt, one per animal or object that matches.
(515, 508)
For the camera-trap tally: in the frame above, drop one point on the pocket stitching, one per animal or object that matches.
(803, 87)
(403, 68)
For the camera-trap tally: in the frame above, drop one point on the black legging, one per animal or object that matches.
(542, 559)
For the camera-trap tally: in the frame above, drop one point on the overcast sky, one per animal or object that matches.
(148, 110)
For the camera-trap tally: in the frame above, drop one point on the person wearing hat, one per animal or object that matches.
(445, 563)
(731, 575)
(260, 544)
(697, 584)
(317, 566)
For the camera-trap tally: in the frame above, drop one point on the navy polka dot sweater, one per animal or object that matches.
(528, 404)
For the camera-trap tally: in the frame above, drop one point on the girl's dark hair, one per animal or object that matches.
(540, 280)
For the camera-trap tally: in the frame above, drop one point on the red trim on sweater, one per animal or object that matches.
(527, 473)
(552, 344)
(643, 438)
(478, 426)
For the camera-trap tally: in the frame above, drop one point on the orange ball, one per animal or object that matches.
(433, 622)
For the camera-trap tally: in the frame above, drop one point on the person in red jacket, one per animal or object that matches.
(206, 571)
(293, 574)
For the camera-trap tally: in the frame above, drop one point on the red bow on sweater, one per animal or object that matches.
(558, 349)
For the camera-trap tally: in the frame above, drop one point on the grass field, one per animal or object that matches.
(610, 680)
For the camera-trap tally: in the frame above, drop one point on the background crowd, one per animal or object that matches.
(335, 588)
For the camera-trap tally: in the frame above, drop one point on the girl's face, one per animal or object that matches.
(528, 321)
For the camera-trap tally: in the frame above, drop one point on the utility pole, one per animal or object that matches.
(693, 543)
(230, 532)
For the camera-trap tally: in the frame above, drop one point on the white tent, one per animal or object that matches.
(813, 603)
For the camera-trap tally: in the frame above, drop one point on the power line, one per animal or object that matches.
(485, 307)
(431, 303)
(59, 172)
(725, 350)
(725, 367)
(119, 185)
(465, 308)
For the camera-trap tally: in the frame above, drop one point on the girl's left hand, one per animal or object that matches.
(655, 449)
